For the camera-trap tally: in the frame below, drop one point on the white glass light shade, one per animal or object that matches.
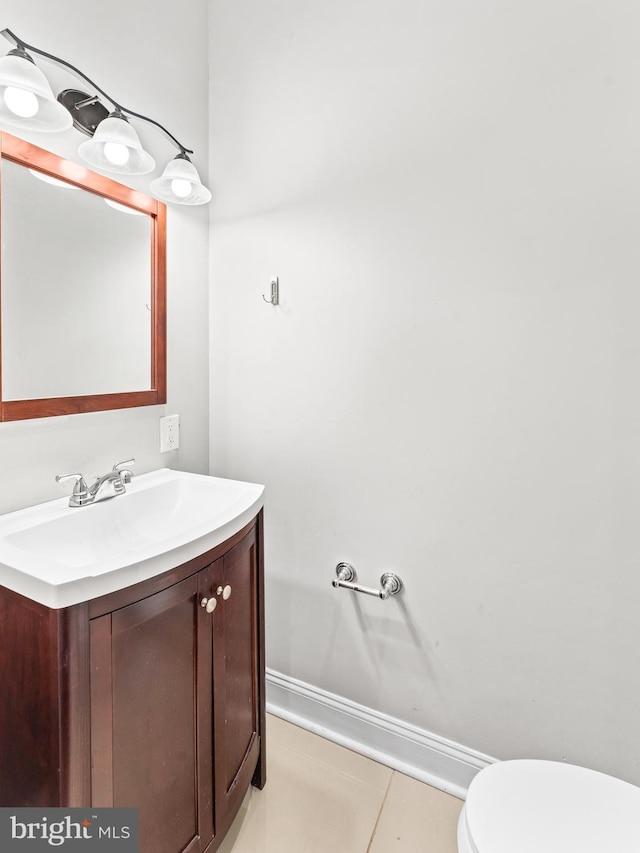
(24, 87)
(115, 147)
(180, 183)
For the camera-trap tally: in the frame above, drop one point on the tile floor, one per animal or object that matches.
(323, 798)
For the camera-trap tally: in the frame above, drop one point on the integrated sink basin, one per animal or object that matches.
(60, 555)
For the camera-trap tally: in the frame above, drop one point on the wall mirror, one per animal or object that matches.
(82, 288)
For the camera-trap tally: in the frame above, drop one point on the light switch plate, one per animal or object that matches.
(169, 433)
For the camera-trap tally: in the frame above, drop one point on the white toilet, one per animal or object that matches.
(530, 806)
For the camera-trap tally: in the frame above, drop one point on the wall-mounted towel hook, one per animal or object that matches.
(275, 291)
(390, 583)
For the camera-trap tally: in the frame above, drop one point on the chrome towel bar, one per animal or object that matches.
(390, 583)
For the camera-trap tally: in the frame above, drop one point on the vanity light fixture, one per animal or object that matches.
(115, 147)
(180, 179)
(27, 102)
(26, 99)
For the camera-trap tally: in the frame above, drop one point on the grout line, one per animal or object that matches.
(384, 800)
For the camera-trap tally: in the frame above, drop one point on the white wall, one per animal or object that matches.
(449, 193)
(136, 53)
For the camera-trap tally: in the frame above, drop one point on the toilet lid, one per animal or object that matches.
(534, 806)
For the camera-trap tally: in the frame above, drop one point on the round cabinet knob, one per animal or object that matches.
(225, 591)
(209, 604)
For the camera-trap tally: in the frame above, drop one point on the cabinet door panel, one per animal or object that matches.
(236, 674)
(29, 740)
(153, 670)
(240, 710)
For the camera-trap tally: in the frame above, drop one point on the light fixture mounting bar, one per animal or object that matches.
(17, 42)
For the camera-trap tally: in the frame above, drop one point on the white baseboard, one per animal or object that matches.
(432, 759)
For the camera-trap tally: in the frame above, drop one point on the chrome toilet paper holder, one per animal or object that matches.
(390, 583)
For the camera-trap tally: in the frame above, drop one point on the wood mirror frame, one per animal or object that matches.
(24, 153)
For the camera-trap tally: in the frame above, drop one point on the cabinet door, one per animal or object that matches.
(148, 703)
(236, 687)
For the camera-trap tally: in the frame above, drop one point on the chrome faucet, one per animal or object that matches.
(107, 486)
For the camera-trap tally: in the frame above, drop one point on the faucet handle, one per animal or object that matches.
(125, 475)
(79, 484)
(80, 493)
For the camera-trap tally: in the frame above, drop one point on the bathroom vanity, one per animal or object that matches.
(148, 695)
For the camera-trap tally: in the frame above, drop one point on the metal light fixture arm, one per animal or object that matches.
(17, 42)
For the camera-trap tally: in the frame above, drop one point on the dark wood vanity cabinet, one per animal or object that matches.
(154, 697)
